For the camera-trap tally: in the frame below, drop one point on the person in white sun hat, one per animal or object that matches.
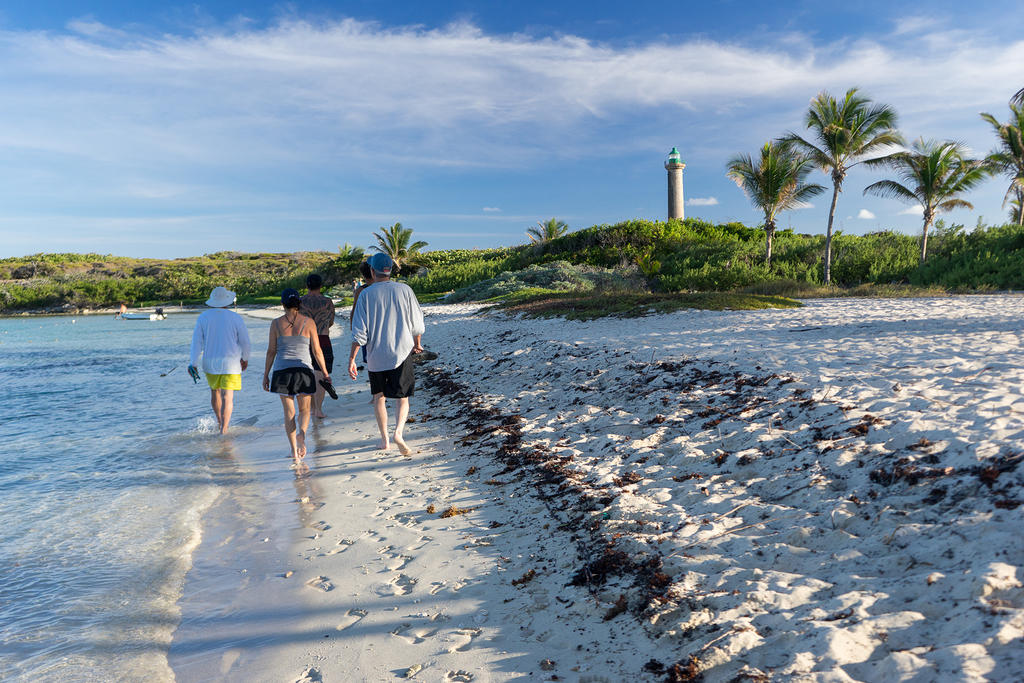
(223, 342)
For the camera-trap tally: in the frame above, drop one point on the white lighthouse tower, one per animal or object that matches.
(675, 166)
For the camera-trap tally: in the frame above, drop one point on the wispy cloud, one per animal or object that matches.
(491, 209)
(866, 215)
(702, 201)
(916, 210)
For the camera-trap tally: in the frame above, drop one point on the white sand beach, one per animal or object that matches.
(830, 493)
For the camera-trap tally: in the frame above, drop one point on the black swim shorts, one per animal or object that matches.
(397, 383)
(328, 351)
(292, 381)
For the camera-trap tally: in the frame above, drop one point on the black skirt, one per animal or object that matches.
(292, 381)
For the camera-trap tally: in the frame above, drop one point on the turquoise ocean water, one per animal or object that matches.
(106, 469)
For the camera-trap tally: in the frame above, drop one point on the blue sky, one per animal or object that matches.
(164, 130)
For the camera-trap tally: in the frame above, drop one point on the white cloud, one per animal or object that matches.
(803, 205)
(702, 201)
(916, 210)
(491, 209)
(360, 90)
(865, 215)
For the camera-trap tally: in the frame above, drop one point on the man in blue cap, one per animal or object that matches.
(387, 320)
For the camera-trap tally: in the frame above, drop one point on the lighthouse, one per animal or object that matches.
(675, 166)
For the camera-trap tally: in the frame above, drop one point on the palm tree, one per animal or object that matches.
(394, 242)
(775, 184)
(350, 253)
(844, 133)
(934, 173)
(1008, 158)
(547, 230)
(1018, 98)
(1016, 205)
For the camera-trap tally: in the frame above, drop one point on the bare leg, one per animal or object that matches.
(318, 397)
(289, 422)
(402, 408)
(215, 404)
(304, 401)
(227, 404)
(380, 408)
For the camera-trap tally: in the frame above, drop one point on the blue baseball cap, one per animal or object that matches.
(381, 263)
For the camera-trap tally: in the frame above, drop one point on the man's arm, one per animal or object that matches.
(198, 340)
(353, 372)
(244, 342)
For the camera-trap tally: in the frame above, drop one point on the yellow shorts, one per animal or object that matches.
(224, 381)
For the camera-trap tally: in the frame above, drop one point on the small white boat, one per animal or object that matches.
(158, 315)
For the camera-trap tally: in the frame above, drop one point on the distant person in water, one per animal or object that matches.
(387, 320)
(321, 309)
(293, 346)
(221, 339)
(124, 309)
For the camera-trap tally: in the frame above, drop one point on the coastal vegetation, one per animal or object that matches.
(693, 256)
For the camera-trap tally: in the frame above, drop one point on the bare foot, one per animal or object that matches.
(403, 448)
(321, 415)
(383, 444)
(300, 444)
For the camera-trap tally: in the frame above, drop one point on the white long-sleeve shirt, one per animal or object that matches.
(385, 320)
(221, 339)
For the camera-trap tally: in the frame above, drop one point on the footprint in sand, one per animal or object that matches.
(402, 585)
(437, 586)
(459, 676)
(461, 639)
(351, 617)
(343, 545)
(322, 583)
(413, 636)
(420, 543)
(321, 526)
(396, 562)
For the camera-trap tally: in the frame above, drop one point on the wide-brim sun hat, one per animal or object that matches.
(221, 297)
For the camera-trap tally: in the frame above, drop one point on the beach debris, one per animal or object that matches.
(431, 509)
(471, 471)
(321, 582)
(547, 665)
(525, 578)
(413, 670)
(620, 606)
(453, 510)
(654, 666)
(934, 577)
(288, 574)
(685, 671)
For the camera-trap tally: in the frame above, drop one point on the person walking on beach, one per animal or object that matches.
(221, 339)
(387, 320)
(367, 275)
(293, 337)
(321, 309)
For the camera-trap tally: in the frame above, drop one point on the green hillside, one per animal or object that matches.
(637, 255)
